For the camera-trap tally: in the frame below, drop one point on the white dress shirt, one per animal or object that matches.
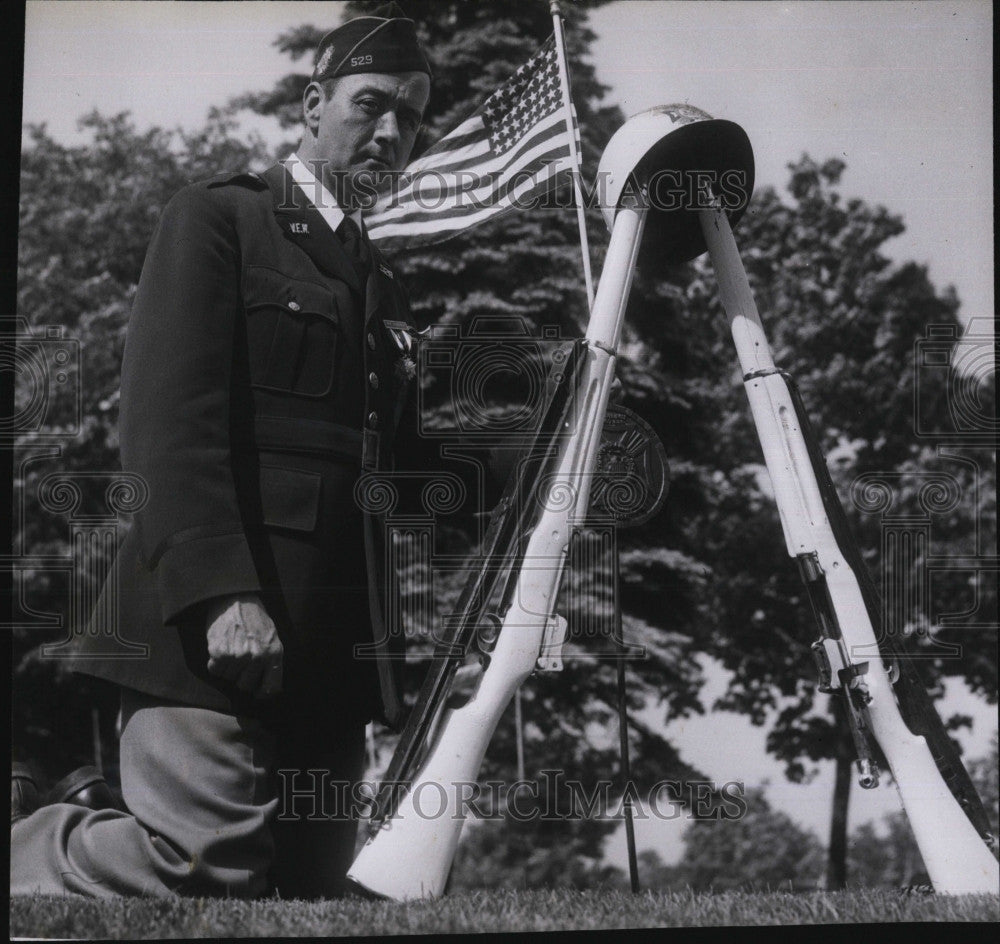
(313, 186)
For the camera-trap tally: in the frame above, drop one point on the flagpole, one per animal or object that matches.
(574, 154)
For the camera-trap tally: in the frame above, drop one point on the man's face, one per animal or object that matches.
(368, 123)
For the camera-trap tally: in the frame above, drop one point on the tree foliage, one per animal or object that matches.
(845, 323)
(885, 857)
(985, 773)
(87, 213)
(764, 849)
(708, 574)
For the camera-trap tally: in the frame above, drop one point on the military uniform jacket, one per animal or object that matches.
(261, 378)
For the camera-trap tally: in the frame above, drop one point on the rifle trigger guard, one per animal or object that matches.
(836, 671)
(550, 654)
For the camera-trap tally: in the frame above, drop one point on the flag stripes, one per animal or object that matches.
(500, 158)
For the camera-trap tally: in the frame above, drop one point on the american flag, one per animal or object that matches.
(498, 159)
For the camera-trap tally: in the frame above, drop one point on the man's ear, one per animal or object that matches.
(313, 99)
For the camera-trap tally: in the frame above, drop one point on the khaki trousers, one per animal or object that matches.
(203, 792)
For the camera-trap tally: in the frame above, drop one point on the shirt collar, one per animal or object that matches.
(313, 187)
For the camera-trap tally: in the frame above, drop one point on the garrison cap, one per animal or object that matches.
(382, 43)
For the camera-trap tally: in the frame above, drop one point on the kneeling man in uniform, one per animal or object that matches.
(261, 378)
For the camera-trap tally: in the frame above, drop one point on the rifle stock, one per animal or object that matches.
(420, 809)
(957, 859)
(410, 852)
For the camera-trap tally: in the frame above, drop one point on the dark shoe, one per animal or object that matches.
(87, 787)
(24, 799)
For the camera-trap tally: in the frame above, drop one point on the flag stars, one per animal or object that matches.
(532, 93)
(511, 121)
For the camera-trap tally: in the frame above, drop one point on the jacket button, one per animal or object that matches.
(373, 379)
(371, 340)
(373, 419)
(294, 305)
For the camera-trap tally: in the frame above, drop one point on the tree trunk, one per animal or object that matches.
(836, 865)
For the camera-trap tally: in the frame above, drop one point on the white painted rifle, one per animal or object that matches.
(505, 617)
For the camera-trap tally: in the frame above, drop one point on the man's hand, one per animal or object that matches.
(243, 644)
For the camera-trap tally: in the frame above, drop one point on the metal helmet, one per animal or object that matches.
(672, 150)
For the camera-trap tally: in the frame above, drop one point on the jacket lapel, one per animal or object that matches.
(380, 295)
(304, 225)
(375, 289)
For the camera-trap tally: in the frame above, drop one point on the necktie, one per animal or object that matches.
(355, 245)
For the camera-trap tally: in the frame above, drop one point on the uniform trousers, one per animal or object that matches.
(210, 815)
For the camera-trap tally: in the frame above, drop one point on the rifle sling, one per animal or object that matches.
(508, 523)
(918, 711)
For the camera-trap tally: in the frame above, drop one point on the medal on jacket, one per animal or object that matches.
(405, 338)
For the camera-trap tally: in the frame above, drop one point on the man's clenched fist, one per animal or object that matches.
(243, 644)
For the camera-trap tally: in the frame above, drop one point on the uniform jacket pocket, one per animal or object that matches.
(292, 332)
(290, 497)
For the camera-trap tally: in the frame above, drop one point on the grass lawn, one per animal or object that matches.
(492, 911)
